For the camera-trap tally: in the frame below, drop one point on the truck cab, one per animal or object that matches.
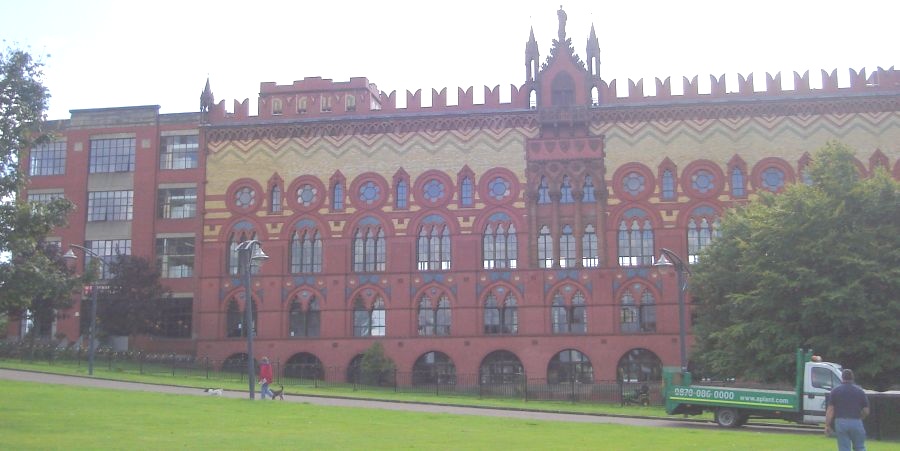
(819, 378)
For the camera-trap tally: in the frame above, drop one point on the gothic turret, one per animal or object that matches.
(532, 58)
(593, 54)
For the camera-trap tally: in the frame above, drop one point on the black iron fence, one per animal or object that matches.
(517, 386)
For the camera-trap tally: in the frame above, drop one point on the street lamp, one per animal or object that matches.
(668, 259)
(248, 252)
(92, 330)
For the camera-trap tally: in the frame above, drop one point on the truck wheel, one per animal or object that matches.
(728, 418)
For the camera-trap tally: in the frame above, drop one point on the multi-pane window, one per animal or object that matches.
(234, 319)
(369, 249)
(565, 191)
(176, 203)
(175, 318)
(110, 205)
(590, 253)
(434, 320)
(108, 251)
(337, 197)
(178, 152)
(570, 366)
(567, 248)
(638, 317)
(703, 227)
(234, 254)
(467, 192)
(434, 368)
(501, 319)
(590, 194)
(501, 367)
(738, 189)
(304, 319)
(545, 248)
(306, 251)
(48, 159)
(275, 200)
(668, 185)
(568, 318)
(175, 257)
(543, 192)
(402, 195)
(369, 322)
(44, 198)
(433, 247)
(635, 240)
(112, 155)
(500, 245)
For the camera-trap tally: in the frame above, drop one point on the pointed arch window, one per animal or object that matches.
(434, 246)
(369, 247)
(304, 319)
(467, 192)
(589, 190)
(738, 187)
(234, 319)
(500, 245)
(402, 194)
(668, 185)
(369, 322)
(233, 257)
(337, 197)
(702, 229)
(590, 253)
(635, 239)
(543, 192)
(567, 248)
(306, 251)
(568, 318)
(565, 191)
(545, 248)
(501, 319)
(434, 321)
(637, 317)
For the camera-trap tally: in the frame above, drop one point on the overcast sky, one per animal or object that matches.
(121, 53)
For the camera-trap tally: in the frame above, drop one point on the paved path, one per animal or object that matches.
(403, 406)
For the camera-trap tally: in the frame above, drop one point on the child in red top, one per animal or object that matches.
(265, 378)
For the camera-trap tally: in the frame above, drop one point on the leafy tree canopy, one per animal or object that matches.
(28, 273)
(817, 266)
(376, 368)
(129, 303)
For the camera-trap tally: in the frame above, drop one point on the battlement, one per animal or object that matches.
(325, 98)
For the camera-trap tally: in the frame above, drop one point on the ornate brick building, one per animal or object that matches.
(488, 238)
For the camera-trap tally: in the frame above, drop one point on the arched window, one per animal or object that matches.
(434, 321)
(568, 317)
(639, 365)
(301, 105)
(234, 258)
(500, 245)
(275, 200)
(501, 367)
(635, 239)
(637, 318)
(304, 322)
(434, 245)
(234, 319)
(350, 103)
(276, 107)
(337, 197)
(565, 191)
(589, 190)
(738, 187)
(570, 366)
(304, 366)
(567, 248)
(466, 192)
(369, 247)
(369, 322)
(434, 368)
(545, 248)
(590, 253)
(501, 320)
(306, 251)
(668, 185)
(402, 195)
(543, 192)
(703, 227)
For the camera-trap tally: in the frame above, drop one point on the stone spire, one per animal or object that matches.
(206, 98)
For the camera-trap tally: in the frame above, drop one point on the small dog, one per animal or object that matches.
(213, 391)
(278, 393)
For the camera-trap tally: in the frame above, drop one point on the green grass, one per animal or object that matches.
(38, 416)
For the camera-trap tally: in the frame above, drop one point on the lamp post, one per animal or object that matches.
(248, 252)
(69, 255)
(668, 259)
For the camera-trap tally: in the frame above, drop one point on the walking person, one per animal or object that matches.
(265, 378)
(847, 407)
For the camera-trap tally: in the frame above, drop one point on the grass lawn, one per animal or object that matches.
(40, 416)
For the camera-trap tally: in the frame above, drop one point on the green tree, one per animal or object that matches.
(129, 303)
(817, 266)
(376, 368)
(28, 272)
